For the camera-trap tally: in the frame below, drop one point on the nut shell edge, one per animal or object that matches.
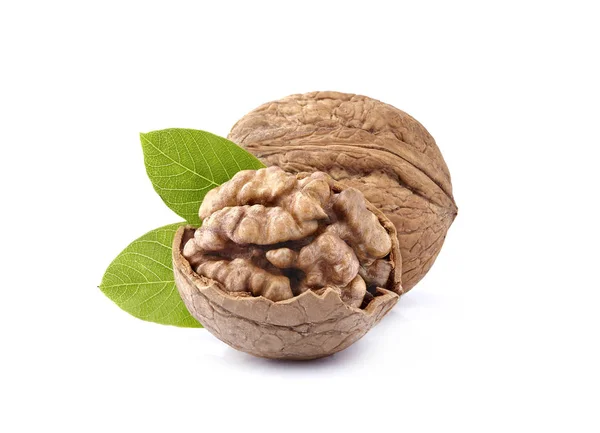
(308, 326)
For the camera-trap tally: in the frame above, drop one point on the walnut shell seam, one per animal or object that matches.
(368, 145)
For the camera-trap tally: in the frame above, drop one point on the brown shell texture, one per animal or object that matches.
(307, 326)
(368, 145)
(247, 301)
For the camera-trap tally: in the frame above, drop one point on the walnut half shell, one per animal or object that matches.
(288, 266)
(368, 145)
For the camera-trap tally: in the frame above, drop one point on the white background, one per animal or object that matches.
(502, 334)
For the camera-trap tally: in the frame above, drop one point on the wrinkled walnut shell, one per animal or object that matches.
(310, 325)
(368, 145)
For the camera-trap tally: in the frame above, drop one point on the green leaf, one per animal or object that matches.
(184, 164)
(140, 280)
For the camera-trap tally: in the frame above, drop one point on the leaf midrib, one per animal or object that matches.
(212, 182)
(136, 284)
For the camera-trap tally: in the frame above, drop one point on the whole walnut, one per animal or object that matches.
(291, 266)
(368, 145)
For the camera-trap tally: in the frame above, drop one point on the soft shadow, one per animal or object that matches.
(351, 355)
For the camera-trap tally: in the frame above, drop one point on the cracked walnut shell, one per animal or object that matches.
(288, 266)
(368, 145)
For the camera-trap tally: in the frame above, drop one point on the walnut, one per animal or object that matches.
(288, 266)
(326, 260)
(367, 145)
(239, 275)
